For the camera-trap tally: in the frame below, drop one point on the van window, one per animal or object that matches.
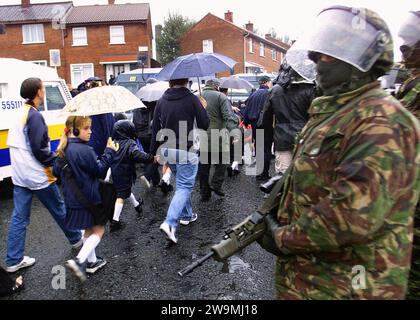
(54, 98)
(3, 87)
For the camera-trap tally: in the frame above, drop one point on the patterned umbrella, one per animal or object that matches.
(102, 100)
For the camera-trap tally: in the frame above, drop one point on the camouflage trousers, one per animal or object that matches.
(414, 279)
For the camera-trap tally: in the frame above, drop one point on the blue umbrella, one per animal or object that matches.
(196, 65)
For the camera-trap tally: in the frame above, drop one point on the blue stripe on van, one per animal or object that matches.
(4, 157)
(5, 154)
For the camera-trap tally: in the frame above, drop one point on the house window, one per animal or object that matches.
(116, 35)
(262, 51)
(33, 33)
(79, 37)
(208, 46)
(80, 72)
(251, 45)
(274, 54)
(40, 62)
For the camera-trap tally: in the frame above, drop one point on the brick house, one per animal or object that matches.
(91, 40)
(252, 52)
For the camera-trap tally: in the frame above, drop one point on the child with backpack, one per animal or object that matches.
(123, 168)
(80, 169)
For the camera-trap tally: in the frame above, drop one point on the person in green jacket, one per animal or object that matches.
(216, 149)
(409, 96)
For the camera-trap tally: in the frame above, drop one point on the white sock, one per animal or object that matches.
(133, 200)
(235, 165)
(108, 175)
(92, 257)
(117, 211)
(167, 178)
(90, 244)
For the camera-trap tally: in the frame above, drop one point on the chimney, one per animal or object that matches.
(111, 2)
(229, 16)
(249, 26)
(26, 3)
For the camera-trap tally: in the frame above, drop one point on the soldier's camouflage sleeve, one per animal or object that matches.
(412, 101)
(372, 188)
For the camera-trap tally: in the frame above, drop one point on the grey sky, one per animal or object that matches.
(286, 17)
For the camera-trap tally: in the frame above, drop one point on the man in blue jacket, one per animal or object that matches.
(177, 112)
(32, 161)
(254, 106)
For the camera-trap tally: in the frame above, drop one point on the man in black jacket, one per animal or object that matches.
(175, 114)
(288, 104)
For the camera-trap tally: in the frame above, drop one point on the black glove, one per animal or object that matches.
(267, 241)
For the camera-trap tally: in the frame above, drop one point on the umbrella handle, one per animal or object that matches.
(199, 86)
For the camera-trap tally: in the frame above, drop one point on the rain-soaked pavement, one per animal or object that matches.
(141, 262)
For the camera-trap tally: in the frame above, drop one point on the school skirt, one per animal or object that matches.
(82, 219)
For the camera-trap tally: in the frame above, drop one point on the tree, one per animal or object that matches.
(168, 45)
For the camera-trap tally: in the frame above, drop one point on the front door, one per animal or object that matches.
(118, 68)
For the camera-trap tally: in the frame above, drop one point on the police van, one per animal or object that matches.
(14, 72)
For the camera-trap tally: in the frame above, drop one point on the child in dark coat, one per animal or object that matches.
(86, 170)
(123, 168)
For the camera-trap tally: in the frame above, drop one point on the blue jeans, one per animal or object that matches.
(185, 166)
(22, 199)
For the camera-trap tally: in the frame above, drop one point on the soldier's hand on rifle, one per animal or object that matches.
(267, 241)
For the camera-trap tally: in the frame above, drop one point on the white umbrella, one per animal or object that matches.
(102, 100)
(152, 91)
(234, 82)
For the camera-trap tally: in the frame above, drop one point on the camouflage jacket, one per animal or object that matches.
(348, 203)
(410, 98)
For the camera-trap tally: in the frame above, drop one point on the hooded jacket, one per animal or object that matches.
(123, 165)
(178, 105)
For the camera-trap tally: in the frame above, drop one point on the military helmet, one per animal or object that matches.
(357, 36)
(410, 30)
(410, 36)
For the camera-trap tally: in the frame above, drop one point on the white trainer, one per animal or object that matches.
(26, 262)
(187, 222)
(169, 231)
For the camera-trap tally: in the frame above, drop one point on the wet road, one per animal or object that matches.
(141, 262)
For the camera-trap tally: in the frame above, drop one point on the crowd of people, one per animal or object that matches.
(347, 153)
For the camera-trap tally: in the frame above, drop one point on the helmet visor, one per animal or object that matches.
(299, 61)
(347, 36)
(410, 30)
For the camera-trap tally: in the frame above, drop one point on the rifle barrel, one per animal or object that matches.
(195, 264)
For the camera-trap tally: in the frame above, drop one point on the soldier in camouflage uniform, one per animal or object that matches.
(409, 96)
(344, 223)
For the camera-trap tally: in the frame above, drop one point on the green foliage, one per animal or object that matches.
(168, 44)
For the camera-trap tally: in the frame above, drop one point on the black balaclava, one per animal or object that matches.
(336, 77)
